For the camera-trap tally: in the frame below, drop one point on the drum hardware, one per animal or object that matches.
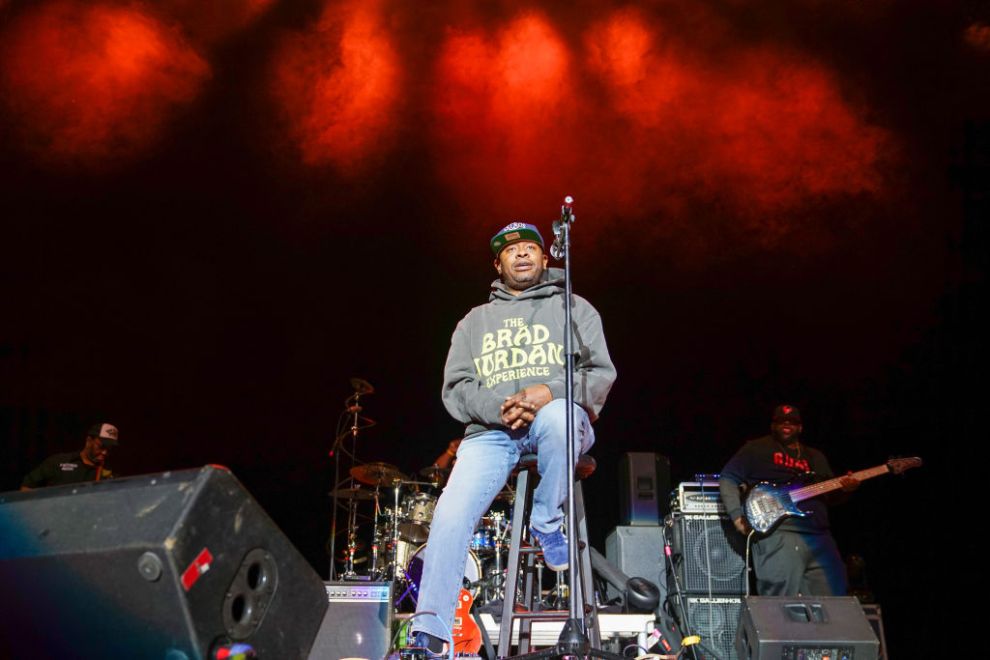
(352, 413)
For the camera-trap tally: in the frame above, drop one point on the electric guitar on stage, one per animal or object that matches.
(466, 633)
(767, 505)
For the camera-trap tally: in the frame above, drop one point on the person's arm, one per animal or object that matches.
(594, 371)
(38, 477)
(823, 472)
(444, 460)
(464, 394)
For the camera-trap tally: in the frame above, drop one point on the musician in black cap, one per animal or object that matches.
(76, 466)
(800, 556)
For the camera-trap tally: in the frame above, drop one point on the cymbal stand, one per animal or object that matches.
(397, 571)
(351, 539)
(375, 539)
(352, 409)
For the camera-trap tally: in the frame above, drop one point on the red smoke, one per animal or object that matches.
(338, 85)
(213, 20)
(94, 83)
(504, 114)
(645, 122)
(977, 35)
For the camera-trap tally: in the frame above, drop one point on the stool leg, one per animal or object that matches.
(512, 564)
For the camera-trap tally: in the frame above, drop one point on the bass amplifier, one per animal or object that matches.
(805, 628)
(698, 497)
(708, 554)
(715, 620)
(358, 622)
(182, 565)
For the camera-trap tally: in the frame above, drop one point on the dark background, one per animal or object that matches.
(210, 291)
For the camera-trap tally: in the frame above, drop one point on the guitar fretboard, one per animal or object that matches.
(822, 487)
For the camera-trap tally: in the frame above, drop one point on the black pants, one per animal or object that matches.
(790, 564)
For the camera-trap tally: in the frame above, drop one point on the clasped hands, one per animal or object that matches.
(519, 409)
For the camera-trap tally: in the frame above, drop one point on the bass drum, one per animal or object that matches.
(407, 596)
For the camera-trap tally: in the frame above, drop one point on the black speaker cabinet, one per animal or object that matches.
(358, 623)
(644, 483)
(812, 628)
(638, 552)
(715, 620)
(707, 554)
(170, 566)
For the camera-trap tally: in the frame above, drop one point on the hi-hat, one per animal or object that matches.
(355, 493)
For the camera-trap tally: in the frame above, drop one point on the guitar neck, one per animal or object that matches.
(822, 487)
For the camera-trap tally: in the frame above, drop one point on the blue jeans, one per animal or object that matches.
(484, 462)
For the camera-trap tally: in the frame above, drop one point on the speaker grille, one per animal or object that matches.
(707, 562)
(715, 620)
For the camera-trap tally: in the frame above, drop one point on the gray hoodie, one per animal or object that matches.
(513, 342)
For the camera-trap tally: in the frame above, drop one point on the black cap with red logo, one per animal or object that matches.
(786, 412)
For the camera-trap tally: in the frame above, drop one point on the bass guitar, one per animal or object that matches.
(767, 505)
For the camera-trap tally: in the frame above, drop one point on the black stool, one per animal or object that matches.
(580, 581)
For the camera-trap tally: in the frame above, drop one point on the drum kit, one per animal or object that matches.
(400, 528)
(402, 511)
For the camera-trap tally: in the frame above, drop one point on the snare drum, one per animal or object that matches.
(415, 517)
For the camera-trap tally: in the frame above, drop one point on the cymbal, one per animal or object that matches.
(376, 474)
(434, 472)
(355, 493)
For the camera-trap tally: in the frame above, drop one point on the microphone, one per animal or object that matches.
(566, 217)
(361, 386)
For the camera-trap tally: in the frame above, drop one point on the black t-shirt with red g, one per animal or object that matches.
(765, 459)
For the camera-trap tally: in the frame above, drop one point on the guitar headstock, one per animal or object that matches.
(899, 465)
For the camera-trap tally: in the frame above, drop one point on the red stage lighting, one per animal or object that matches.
(90, 84)
(337, 87)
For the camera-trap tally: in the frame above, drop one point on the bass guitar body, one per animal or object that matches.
(767, 505)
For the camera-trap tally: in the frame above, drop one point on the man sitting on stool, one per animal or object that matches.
(505, 379)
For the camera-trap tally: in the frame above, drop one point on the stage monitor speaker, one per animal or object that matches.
(809, 628)
(715, 620)
(708, 554)
(637, 552)
(644, 486)
(358, 623)
(174, 566)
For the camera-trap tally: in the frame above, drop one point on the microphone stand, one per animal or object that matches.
(573, 641)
